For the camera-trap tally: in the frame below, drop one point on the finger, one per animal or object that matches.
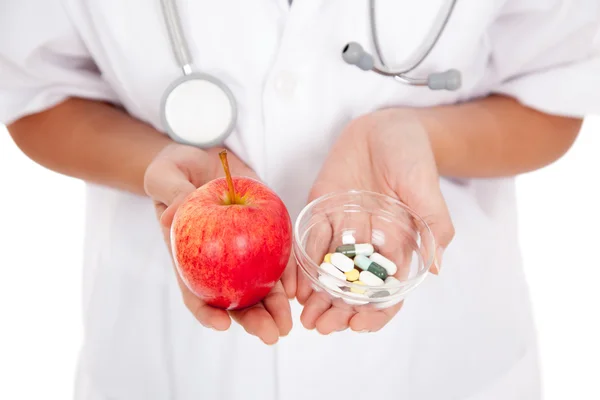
(304, 289)
(434, 211)
(304, 286)
(317, 245)
(428, 247)
(347, 228)
(404, 255)
(167, 216)
(159, 209)
(208, 316)
(372, 321)
(289, 279)
(165, 182)
(257, 321)
(350, 227)
(334, 319)
(278, 305)
(425, 196)
(394, 236)
(315, 306)
(405, 239)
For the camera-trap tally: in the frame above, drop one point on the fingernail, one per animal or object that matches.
(438, 258)
(364, 331)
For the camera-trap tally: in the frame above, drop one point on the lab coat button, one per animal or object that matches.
(285, 84)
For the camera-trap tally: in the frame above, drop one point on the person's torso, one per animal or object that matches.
(456, 334)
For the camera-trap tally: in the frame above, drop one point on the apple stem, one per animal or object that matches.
(223, 156)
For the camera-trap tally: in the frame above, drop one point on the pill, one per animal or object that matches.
(342, 262)
(389, 265)
(333, 271)
(352, 275)
(366, 264)
(348, 238)
(362, 262)
(379, 293)
(370, 279)
(327, 258)
(357, 290)
(330, 283)
(378, 271)
(351, 250)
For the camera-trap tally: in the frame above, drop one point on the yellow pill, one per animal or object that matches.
(328, 258)
(352, 275)
(356, 290)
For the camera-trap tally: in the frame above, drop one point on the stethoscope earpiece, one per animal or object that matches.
(448, 80)
(354, 54)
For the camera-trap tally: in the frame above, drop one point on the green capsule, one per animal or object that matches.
(378, 271)
(366, 264)
(347, 249)
(351, 250)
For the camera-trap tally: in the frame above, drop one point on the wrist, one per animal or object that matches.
(428, 121)
(439, 140)
(147, 144)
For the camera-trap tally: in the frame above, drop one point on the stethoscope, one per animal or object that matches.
(200, 110)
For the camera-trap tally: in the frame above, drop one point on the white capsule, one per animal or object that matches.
(365, 249)
(333, 271)
(393, 284)
(370, 279)
(342, 262)
(348, 238)
(389, 265)
(330, 283)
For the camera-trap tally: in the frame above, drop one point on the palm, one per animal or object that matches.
(380, 153)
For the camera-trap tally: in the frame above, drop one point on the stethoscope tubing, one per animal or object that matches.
(424, 49)
(183, 57)
(179, 45)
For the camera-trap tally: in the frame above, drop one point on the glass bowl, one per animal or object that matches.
(362, 217)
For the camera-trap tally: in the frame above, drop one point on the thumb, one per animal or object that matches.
(166, 184)
(434, 211)
(166, 218)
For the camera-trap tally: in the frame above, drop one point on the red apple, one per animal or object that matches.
(231, 253)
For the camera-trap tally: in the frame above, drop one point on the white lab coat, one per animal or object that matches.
(465, 335)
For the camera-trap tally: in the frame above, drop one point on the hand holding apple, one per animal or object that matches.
(175, 173)
(231, 241)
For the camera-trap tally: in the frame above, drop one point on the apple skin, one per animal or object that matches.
(231, 255)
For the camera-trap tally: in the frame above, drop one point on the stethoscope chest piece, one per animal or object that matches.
(199, 110)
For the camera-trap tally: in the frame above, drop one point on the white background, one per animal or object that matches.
(41, 224)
